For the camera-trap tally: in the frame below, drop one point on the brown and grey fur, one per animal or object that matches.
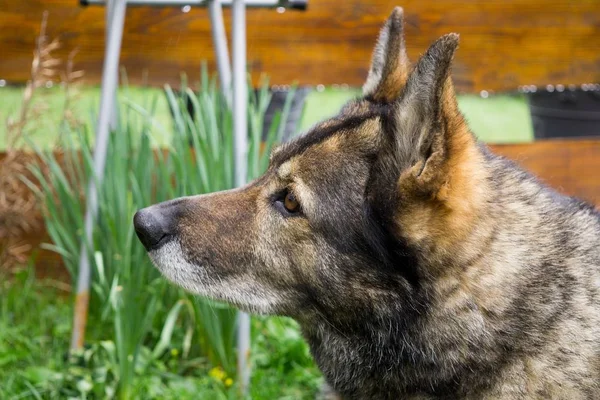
(421, 265)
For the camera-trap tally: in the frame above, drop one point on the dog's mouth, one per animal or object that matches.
(239, 292)
(167, 256)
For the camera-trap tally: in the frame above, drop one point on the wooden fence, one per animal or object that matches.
(504, 44)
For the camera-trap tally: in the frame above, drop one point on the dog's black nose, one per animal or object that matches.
(153, 227)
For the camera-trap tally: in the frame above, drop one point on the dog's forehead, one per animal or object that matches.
(351, 117)
(331, 159)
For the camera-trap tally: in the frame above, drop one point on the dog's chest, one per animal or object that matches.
(386, 365)
(360, 368)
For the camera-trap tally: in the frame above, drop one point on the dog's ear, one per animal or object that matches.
(430, 132)
(440, 182)
(389, 64)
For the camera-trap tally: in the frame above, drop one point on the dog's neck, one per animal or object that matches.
(420, 356)
(386, 359)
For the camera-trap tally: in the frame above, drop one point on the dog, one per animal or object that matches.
(418, 264)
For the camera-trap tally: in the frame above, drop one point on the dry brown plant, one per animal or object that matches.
(19, 207)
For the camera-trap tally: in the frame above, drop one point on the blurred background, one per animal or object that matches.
(528, 77)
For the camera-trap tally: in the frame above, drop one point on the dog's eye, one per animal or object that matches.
(290, 203)
(287, 204)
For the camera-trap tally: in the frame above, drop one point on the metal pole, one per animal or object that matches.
(292, 4)
(240, 133)
(220, 43)
(109, 85)
(109, 16)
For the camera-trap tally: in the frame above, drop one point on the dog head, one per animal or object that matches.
(346, 215)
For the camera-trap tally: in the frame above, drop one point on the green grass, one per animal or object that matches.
(50, 103)
(325, 104)
(497, 119)
(35, 322)
(34, 332)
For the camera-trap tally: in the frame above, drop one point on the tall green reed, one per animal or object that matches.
(127, 293)
(130, 303)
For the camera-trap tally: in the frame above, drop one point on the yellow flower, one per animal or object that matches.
(228, 382)
(217, 373)
(174, 352)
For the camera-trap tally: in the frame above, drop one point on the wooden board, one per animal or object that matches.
(570, 166)
(504, 43)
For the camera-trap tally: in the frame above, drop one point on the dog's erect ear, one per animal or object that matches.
(389, 64)
(429, 129)
(429, 165)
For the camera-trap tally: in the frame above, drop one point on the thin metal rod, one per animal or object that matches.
(109, 86)
(221, 49)
(240, 92)
(201, 3)
(109, 16)
(240, 135)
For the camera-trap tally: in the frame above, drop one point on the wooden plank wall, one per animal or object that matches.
(571, 166)
(504, 43)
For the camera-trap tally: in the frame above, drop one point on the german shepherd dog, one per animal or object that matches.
(418, 264)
